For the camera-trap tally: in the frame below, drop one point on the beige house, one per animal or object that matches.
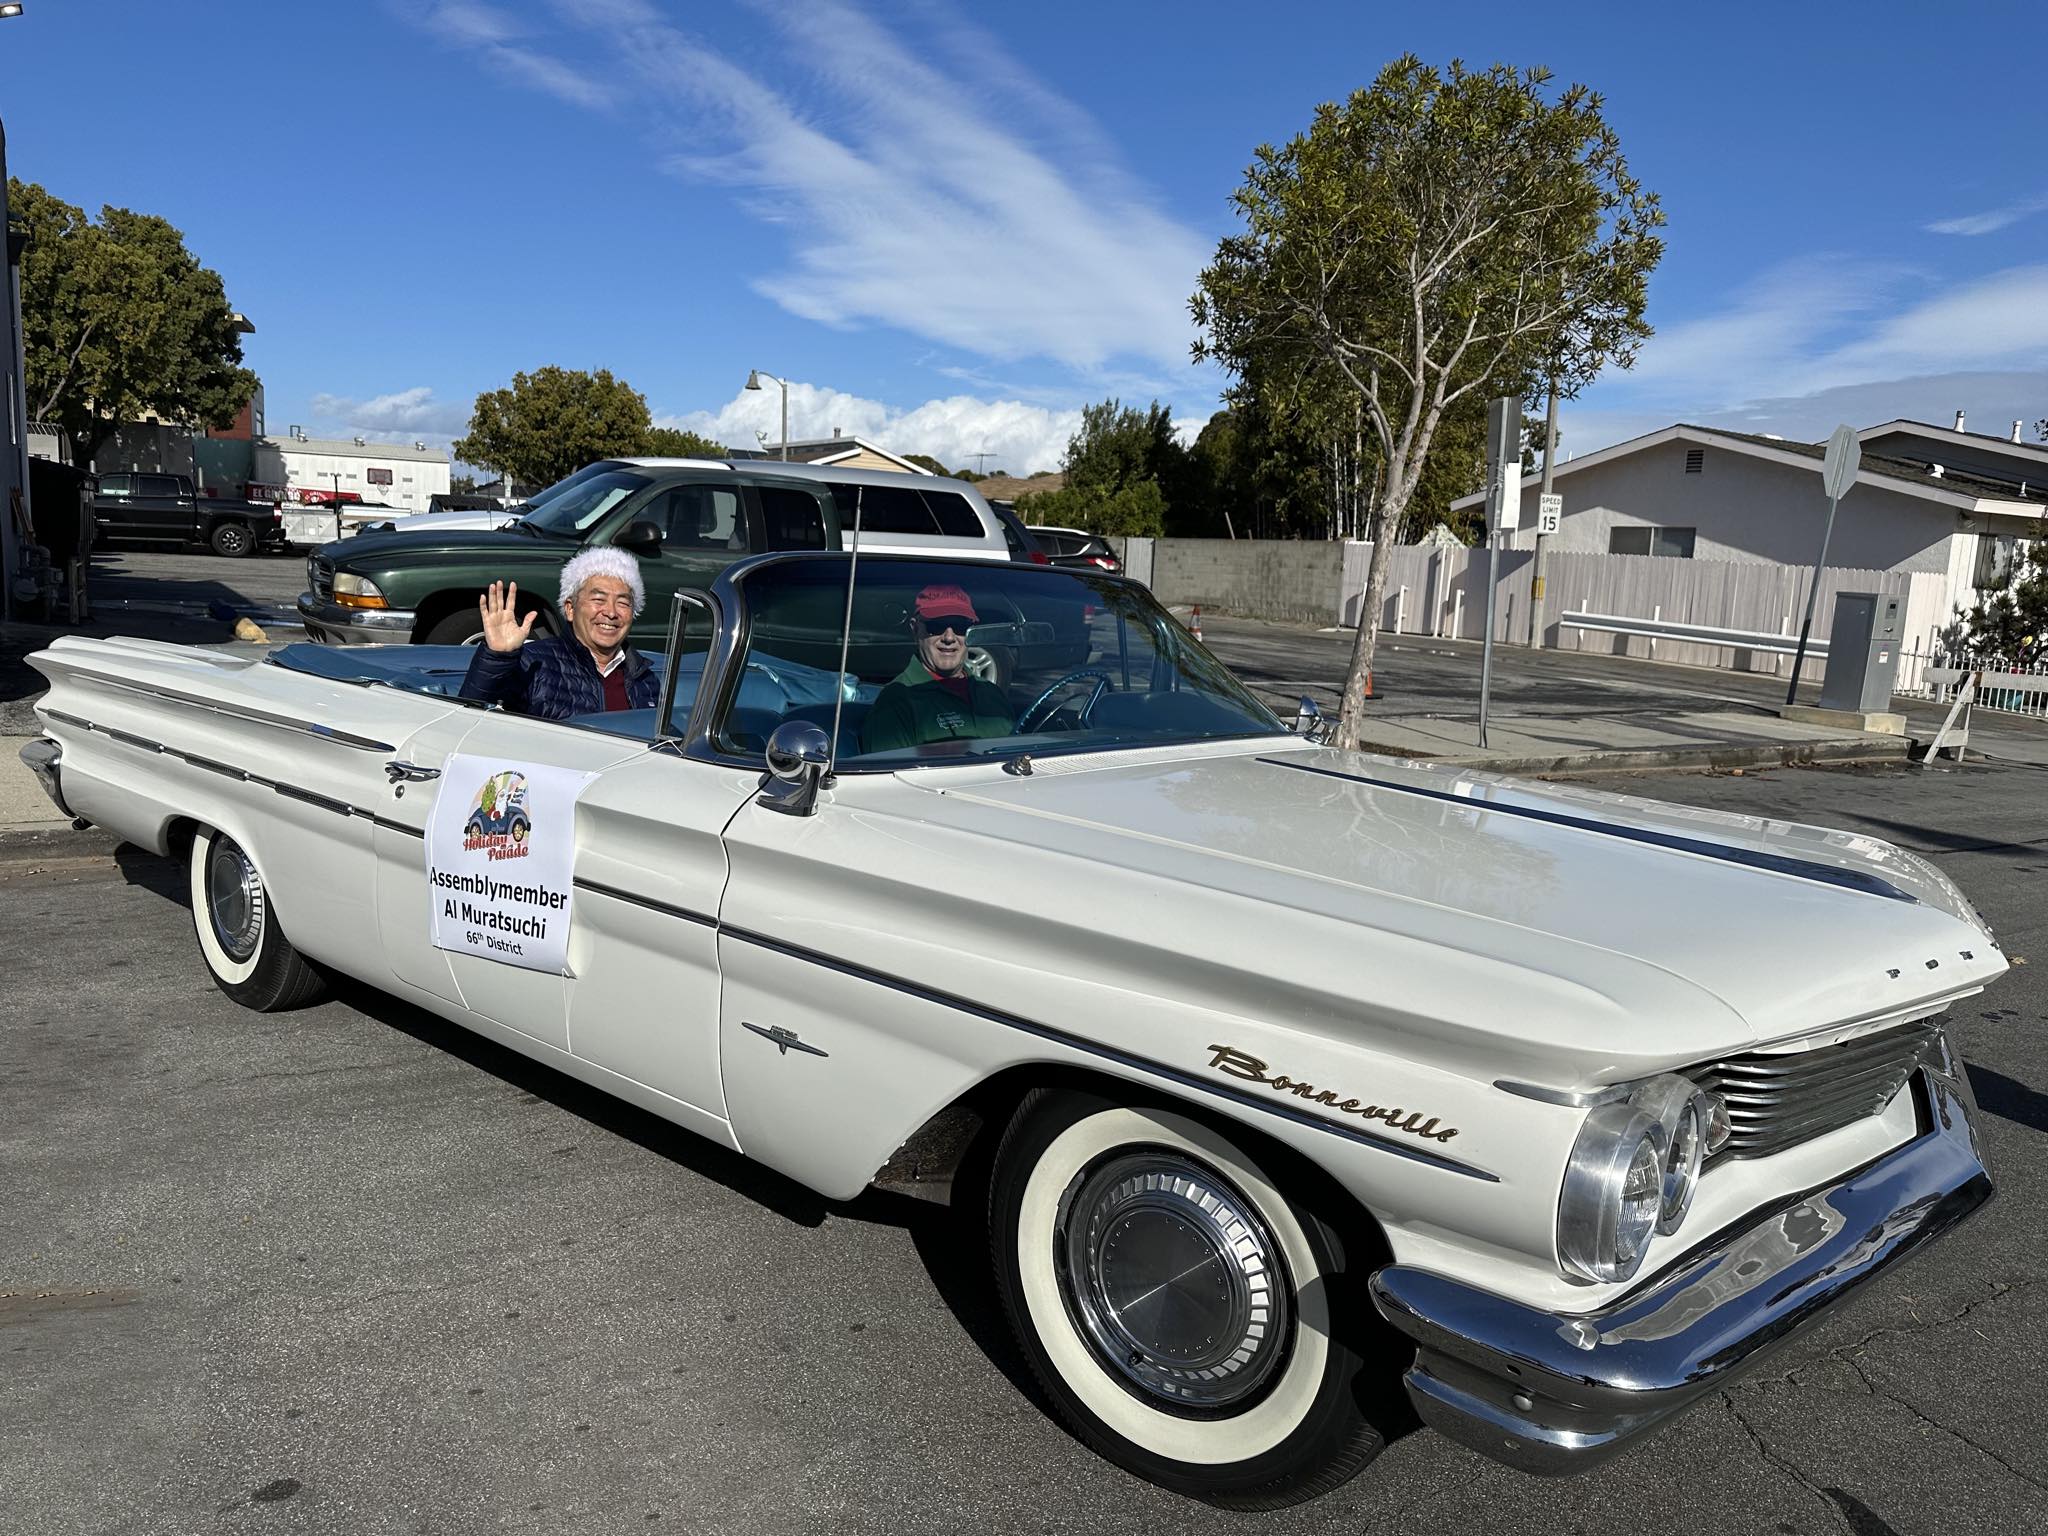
(839, 451)
(1929, 499)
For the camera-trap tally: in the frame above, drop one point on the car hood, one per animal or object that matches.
(446, 522)
(1635, 933)
(398, 548)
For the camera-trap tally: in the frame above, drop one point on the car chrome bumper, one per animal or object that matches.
(1556, 1393)
(332, 624)
(45, 759)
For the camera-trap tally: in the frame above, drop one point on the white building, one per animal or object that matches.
(1931, 499)
(395, 474)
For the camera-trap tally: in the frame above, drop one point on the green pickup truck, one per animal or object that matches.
(686, 520)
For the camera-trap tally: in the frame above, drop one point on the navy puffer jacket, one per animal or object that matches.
(554, 677)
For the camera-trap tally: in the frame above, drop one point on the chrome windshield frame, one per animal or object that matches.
(723, 661)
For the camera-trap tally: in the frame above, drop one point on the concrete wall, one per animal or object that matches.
(1747, 509)
(1295, 581)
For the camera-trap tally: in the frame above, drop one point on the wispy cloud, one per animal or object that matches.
(1992, 221)
(401, 416)
(1016, 436)
(1831, 339)
(493, 34)
(910, 196)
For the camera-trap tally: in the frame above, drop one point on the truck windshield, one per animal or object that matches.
(572, 507)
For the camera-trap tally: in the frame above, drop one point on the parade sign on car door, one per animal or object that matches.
(500, 860)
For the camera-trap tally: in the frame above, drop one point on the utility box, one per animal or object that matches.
(1863, 652)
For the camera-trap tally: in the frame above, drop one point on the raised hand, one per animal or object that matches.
(503, 631)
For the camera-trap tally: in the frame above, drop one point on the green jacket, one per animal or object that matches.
(916, 708)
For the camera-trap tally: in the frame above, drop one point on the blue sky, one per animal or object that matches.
(949, 226)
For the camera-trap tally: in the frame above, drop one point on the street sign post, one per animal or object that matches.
(1503, 515)
(1549, 512)
(1837, 474)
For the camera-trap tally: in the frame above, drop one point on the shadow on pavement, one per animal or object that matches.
(1937, 840)
(2009, 1098)
(950, 1242)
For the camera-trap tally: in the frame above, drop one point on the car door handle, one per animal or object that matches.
(410, 772)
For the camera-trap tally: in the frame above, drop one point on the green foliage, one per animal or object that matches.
(2011, 620)
(926, 461)
(552, 422)
(675, 443)
(1443, 235)
(1123, 469)
(1136, 510)
(119, 320)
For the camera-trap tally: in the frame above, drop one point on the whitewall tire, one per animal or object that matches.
(245, 951)
(1175, 1304)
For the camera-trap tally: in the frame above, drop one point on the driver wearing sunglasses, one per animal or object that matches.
(935, 697)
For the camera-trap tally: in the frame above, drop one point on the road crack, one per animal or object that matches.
(1765, 1453)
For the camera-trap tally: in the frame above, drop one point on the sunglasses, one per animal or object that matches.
(959, 623)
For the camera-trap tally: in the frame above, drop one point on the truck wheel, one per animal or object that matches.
(465, 626)
(245, 951)
(231, 539)
(1176, 1306)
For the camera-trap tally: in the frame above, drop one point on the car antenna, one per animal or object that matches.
(845, 643)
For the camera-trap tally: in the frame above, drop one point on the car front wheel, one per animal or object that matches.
(1175, 1305)
(245, 951)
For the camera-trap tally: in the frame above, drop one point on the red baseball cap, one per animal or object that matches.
(943, 600)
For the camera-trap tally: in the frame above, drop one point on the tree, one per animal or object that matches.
(120, 320)
(552, 422)
(1123, 468)
(926, 461)
(1438, 237)
(676, 443)
(2011, 619)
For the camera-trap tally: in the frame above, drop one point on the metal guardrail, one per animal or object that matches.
(1697, 634)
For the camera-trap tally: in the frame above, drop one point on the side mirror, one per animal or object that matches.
(799, 751)
(1308, 720)
(641, 538)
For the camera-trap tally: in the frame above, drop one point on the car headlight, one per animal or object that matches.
(357, 591)
(1633, 1172)
(1613, 1193)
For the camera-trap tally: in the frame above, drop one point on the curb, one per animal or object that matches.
(1892, 749)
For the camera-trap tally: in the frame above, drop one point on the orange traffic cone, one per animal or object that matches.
(1368, 682)
(1195, 623)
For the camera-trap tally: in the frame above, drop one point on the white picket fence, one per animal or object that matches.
(2014, 688)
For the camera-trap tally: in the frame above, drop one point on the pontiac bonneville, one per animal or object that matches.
(1296, 1079)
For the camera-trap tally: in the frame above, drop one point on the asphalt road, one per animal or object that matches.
(352, 1269)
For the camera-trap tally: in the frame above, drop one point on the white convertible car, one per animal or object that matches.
(1301, 1076)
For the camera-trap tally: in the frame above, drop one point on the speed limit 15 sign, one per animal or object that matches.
(1548, 510)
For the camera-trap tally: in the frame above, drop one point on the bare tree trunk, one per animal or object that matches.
(1351, 708)
(1357, 463)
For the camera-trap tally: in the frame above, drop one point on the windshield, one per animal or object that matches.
(967, 661)
(574, 505)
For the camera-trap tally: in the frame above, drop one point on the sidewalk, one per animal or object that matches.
(1571, 712)
(1705, 738)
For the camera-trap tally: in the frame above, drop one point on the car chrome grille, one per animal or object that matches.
(320, 576)
(1778, 1100)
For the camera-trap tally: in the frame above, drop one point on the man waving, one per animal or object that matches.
(587, 671)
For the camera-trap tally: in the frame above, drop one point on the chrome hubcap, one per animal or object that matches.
(1174, 1281)
(234, 900)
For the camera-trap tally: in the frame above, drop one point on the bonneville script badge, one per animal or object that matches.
(1235, 1063)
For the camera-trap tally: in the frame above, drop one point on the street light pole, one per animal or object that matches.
(754, 378)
